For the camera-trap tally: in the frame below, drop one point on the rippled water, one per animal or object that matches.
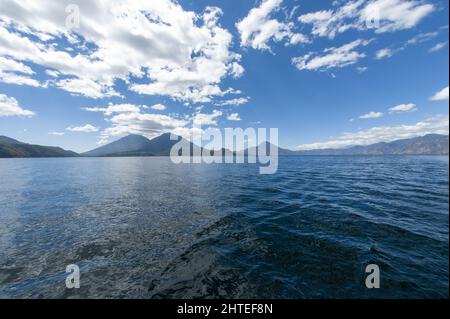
(146, 228)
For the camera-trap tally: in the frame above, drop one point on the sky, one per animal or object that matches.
(79, 74)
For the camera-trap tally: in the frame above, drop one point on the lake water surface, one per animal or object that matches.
(147, 228)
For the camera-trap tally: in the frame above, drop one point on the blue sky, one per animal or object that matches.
(322, 72)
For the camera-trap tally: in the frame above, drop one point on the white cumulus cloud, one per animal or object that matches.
(233, 117)
(384, 53)
(332, 57)
(205, 119)
(88, 128)
(258, 28)
(371, 115)
(114, 108)
(9, 106)
(442, 95)
(158, 107)
(403, 108)
(13, 72)
(235, 102)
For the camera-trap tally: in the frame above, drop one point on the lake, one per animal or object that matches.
(147, 228)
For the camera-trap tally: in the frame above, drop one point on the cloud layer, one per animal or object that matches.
(155, 47)
(380, 15)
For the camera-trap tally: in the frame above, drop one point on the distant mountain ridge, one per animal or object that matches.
(431, 144)
(6, 139)
(137, 145)
(11, 148)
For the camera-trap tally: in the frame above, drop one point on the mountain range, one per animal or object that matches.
(10, 147)
(136, 145)
(431, 144)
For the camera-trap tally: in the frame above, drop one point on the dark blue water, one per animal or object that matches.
(147, 228)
